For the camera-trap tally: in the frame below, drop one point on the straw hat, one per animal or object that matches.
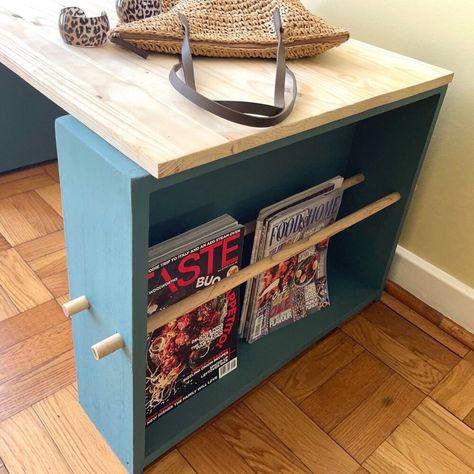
(233, 28)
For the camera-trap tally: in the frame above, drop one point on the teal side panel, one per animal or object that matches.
(107, 238)
(26, 123)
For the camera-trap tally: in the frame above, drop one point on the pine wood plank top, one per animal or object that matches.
(129, 102)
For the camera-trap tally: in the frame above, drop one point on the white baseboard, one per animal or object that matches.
(438, 289)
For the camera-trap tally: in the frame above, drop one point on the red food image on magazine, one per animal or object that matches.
(276, 280)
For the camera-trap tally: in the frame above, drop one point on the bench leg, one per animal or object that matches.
(26, 123)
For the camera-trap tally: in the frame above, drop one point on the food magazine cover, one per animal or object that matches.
(264, 216)
(189, 353)
(286, 292)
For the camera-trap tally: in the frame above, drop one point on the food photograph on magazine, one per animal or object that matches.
(290, 290)
(189, 353)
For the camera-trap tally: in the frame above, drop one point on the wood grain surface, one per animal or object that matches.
(376, 417)
(129, 102)
(388, 459)
(311, 444)
(26, 449)
(38, 248)
(207, 451)
(20, 283)
(7, 308)
(30, 323)
(4, 245)
(302, 377)
(422, 309)
(256, 443)
(409, 336)
(424, 451)
(336, 399)
(27, 182)
(171, 463)
(35, 351)
(22, 391)
(425, 324)
(456, 392)
(397, 356)
(74, 434)
(442, 425)
(26, 216)
(51, 168)
(52, 195)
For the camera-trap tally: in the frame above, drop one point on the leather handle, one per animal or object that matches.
(253, 114)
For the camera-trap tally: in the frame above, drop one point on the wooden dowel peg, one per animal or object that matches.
(75, 306)
(107, 346)
(197, 299)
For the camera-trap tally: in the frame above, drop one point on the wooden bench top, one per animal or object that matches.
(129, 102)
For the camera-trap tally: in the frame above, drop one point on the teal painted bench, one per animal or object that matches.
(122, 210)
(139, 164)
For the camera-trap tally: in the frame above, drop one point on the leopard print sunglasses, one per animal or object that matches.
(79, 30)
(132, 10)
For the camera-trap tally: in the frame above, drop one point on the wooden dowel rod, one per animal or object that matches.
(107, 346)
(207, 294)
(249, 227)
(75, 306)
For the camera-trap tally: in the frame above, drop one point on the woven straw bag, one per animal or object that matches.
(233, 29)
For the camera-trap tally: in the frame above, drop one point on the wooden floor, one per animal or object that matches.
(387, 392)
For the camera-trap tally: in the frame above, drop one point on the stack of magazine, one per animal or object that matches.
(189, 353)
(286, 292)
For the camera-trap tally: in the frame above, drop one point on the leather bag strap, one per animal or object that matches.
(246, 113)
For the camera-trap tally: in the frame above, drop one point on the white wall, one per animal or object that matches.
(440, 224)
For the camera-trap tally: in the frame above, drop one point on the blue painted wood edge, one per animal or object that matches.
(106, 238)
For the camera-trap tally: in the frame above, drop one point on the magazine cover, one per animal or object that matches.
(286, 292)
(191, 352)
(264, 216)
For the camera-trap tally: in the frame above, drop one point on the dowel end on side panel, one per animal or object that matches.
(75, 306)
(107, 346)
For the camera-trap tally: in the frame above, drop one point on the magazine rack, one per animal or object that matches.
(125, 210)
(360, 111)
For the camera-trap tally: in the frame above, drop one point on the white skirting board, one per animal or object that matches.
(438, 289)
